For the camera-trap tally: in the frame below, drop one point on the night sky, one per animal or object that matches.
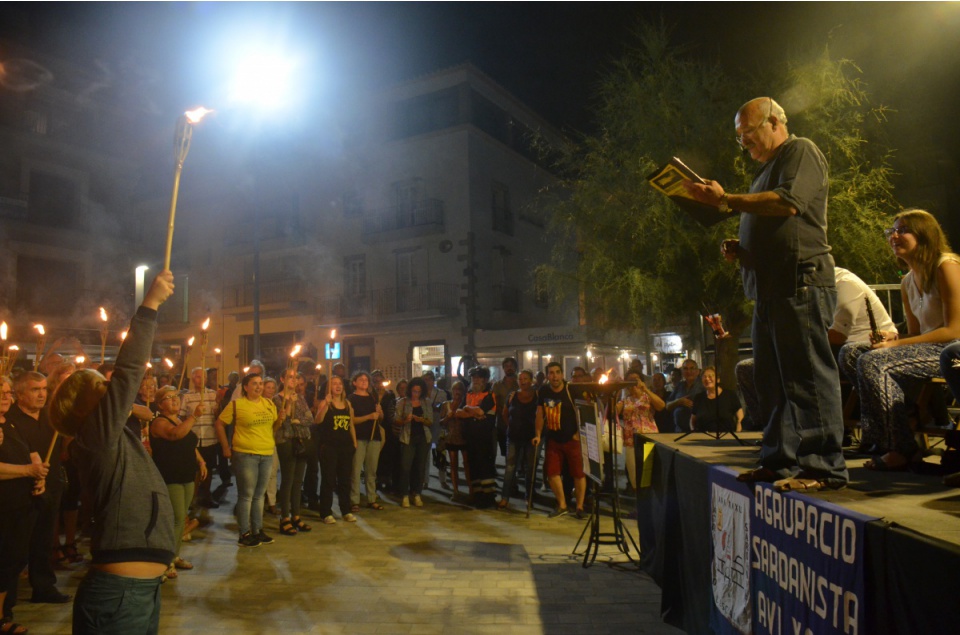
(548, 54)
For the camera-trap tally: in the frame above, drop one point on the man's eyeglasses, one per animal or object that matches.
(898, 231)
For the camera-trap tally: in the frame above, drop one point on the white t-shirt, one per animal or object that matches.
(851, 317)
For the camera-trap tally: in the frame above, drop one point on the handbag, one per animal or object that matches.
(290, 431)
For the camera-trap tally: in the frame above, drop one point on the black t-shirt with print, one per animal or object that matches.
(559, 415)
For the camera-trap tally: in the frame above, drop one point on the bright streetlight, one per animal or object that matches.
(264, 79)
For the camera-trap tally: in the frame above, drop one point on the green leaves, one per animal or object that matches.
(633, 257)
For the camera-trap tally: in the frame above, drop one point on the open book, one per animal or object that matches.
(669, 180)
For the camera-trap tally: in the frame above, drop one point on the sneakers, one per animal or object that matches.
(418, 501)
(558, 512)
(264, 538)
(350, 518)
(248, 540)
(405, 502)
(329, 520)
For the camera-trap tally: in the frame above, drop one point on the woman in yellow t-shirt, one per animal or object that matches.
(251, 456)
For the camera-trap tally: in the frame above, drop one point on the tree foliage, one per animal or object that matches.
(635, 259)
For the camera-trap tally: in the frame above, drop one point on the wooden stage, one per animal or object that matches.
(918, 501)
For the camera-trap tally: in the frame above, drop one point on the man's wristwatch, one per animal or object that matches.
(723, 207)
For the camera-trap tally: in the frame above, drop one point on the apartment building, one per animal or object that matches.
(419, 231)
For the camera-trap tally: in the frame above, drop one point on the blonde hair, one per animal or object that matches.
(931, 244)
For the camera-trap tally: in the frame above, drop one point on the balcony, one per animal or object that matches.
(382, 303)
(394, 223)
(274, 294)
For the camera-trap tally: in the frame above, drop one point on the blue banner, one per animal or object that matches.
(804, 558)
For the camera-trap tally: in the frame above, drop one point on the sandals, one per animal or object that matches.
(354, 509)
(190, 525)
(797, 484)
(287, 528)
(759, 475)
(375, 505)
(300, 525)
(503, 504)
(171, 573)
(180, 563)
(7, 625)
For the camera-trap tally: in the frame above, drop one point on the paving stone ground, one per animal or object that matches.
(442, 568)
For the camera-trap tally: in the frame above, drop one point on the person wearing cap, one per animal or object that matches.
(478, 416)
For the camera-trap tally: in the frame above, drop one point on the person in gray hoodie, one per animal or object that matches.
(133, 532)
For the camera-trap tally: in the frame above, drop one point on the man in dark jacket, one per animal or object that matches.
(28, 419)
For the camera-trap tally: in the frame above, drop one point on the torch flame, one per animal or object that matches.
(123, 336)
(386, 383)
(168, 362)
(333, 334)
(603, 379)
(205, 325)
(103, 314)
(190, 341)
(3, 331)
(149, 365)
(195, 115)
(81, 359)
(39, 328)
(295, 351)
(14, 348)
(319, 366)
(246, 369)
(217, 351)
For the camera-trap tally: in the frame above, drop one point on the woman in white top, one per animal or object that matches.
(931, 305)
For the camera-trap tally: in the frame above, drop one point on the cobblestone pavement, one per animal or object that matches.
(442, 568)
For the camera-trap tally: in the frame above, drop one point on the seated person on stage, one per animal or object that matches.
(931, 305)
(680, 403)
(715, 409)
(851, 323)
(133, 531)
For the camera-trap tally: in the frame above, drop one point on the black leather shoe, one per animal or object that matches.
(51, 597)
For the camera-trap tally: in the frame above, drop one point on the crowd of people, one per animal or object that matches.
(359, 438)
(131, 457)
